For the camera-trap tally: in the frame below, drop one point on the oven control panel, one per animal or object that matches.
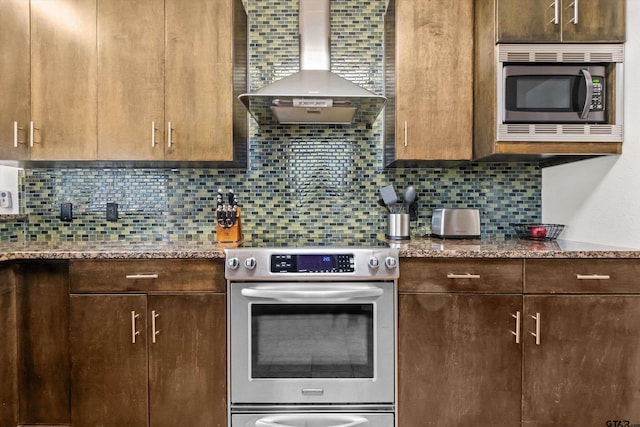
(312, 263)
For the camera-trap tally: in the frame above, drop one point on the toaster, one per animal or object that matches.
(456, 223)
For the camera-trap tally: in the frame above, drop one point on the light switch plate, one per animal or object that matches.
(66, 212)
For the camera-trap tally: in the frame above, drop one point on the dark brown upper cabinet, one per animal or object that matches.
(566, 21)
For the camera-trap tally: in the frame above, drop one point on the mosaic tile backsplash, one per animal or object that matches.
(304, 183)
(287, 193)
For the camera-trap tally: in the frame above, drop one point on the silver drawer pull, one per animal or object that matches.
(593, 277)
(142, 276)
(463, 276)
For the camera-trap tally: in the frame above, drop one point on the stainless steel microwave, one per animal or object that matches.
(559, 93)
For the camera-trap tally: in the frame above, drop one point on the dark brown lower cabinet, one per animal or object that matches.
(148, 360)
(8, 347)
(585, 371)
(187, 362)
(43, 343)
(459, 363)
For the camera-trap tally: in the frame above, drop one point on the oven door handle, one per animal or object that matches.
(284, 293)
(317, 420)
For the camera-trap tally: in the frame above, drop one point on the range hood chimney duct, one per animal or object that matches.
(313, 95)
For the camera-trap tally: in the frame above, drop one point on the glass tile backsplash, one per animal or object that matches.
(321, 193)
(302, 182)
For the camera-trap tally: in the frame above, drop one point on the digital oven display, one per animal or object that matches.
(312, 263)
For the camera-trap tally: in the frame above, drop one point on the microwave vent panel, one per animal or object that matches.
(518, 57)
(545, 129)
(546, 57)
(569, 53)
(559, 133)
(574, 57)
(515, 129)
(573, 129)
(602, 57)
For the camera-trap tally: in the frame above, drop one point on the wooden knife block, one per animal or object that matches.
(231, 234)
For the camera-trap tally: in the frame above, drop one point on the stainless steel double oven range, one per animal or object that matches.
(312, 336)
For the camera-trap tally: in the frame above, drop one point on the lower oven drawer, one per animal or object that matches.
(312, 420)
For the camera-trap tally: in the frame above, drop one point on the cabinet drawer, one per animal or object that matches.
(153, 275)
(582, 276)
(460, 275)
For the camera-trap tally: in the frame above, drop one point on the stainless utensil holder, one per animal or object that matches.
(398, 226)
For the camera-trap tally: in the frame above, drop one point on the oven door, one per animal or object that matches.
(309, 343)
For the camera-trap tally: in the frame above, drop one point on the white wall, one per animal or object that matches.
(599, 199)
(9, 182)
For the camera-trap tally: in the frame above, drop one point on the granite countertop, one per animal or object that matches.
(415, 248)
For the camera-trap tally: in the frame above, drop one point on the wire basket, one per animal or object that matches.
(538, 231)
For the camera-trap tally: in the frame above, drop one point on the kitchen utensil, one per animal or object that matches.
(409, 197)
(390, 197)
(381, 203)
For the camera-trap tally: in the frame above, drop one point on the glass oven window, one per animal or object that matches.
(312, 340)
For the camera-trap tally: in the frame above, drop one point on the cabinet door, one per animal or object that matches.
(109, 370)
(198, 80)
(63, 79)
(9, 347)
(434, 82)
(459, 363)
(43, 336)
(529, 20)
(597, 21)
(187, 360)
(14, 79)
(130, 79)
(586, 369)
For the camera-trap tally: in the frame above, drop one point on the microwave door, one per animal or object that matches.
(554, 94)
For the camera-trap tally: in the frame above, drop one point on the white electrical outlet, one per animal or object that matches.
(5, 199)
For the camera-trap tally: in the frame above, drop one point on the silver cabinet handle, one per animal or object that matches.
(16, 141)
(134, 332)
(153, 134)
(516, 333)
(537, 332)
(463, 276)
(169, 131)
(556, 12)
(593, 277)
(574, 20)
(32, 130)
(406, 132)
(154, 330)
(320, 420)
(142, 276)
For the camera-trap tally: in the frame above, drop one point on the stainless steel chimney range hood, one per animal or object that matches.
(314, 95)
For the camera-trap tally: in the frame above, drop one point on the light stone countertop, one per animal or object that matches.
(415, 248)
